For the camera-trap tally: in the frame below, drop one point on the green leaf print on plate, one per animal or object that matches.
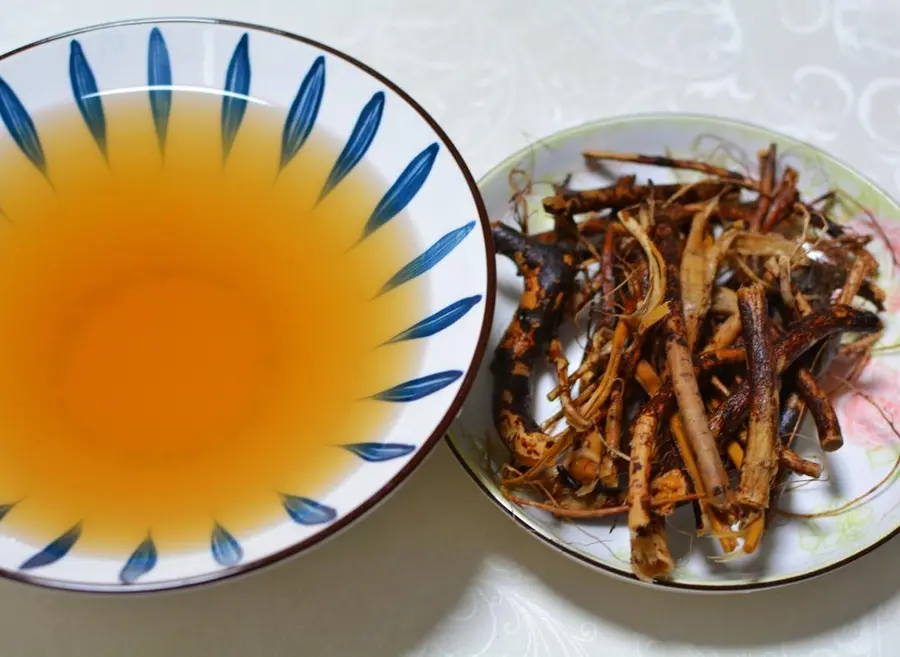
(845, 529)
(881, 457)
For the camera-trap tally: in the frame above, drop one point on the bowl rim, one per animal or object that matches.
(611, 122)
(443, 424)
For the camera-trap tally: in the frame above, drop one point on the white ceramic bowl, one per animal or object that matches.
(317, 89)
(795, 549)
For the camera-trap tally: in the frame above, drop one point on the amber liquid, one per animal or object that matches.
(182, 341)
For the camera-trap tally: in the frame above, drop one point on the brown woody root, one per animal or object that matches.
(598, 224)
(783, 203)
(787, 459)
(693, 411)
(709, 521)
(767, 160)
(808, 332)
(570, 411)
(830, 436)
(760, 460)
(650, 556)
(549, 273)
(618, 196)
(608, 474)
(668, 162)
(600, 512)
(643, 441)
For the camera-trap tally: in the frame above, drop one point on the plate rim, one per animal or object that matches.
(453, 408)
(535, 530)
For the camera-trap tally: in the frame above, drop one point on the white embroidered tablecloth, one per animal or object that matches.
(437, 570)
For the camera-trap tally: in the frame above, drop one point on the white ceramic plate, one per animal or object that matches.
(316, 89)
(795, 549)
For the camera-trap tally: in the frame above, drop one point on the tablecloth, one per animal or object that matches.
(438, 571)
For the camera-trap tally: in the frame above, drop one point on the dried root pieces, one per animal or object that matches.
(712, 319)
(549, 275)
(761, 458)
(680, 365)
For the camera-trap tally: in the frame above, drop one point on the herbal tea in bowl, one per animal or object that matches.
(244, 285)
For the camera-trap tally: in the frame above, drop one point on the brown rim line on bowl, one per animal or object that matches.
(468, 369)
(558, 156)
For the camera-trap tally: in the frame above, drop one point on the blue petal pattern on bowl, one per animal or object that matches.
(302, 114)
(305, 511)
(438, 321)
(84, 88)
(403, 190)
(237, 86)
(21, 127)
(225, 548)
(377, 452)
(433, 255)
(55, 550)
(141, 562)
(416, 389)
(360, 139)
(299, 123)
(159, 78)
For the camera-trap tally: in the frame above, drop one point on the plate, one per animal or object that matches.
(314, 88)
(793, 550)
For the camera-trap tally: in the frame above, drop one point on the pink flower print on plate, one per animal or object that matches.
(861, 422)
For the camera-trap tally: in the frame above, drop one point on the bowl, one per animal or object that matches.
(794, 549)
(314, 89)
